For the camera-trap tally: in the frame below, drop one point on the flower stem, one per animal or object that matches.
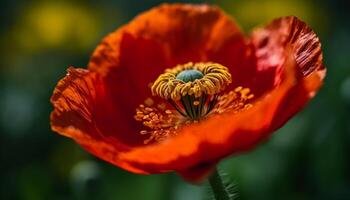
(218, 187)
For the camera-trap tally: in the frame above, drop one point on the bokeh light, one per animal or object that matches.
(256, 12)
(56, 24)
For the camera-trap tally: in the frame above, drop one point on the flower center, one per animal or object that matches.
(193, 90)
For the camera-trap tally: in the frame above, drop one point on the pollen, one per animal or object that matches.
(149, 102)
(196, 103)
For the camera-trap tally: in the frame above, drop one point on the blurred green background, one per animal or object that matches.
(306, 159)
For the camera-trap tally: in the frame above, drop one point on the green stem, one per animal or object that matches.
(218, 186)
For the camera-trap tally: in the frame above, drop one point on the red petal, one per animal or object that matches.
(84, 113)
(271, 42)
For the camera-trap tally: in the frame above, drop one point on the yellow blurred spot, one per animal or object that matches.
(57, 24)
(255, 12)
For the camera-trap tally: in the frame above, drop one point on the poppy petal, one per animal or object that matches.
(75, 100)
(270, 44)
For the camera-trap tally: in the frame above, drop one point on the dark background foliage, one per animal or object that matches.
(306, 159)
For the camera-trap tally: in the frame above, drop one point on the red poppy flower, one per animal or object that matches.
(206, 90)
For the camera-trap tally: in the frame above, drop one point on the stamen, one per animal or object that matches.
(234, 101)
(162, 123)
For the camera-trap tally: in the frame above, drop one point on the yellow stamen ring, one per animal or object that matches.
(215, 78)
